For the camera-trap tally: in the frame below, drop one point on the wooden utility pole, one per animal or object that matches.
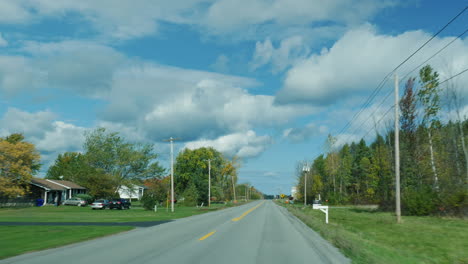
(209, 183)
(172, 171)
(397, 154)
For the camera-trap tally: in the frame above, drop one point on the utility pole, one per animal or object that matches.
(172, 171)
(209, 183)
(397, 153)
(305, 169)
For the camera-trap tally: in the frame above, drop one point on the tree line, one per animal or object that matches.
(433, 157)
(109, 161)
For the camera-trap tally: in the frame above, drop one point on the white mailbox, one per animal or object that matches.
(323, 208)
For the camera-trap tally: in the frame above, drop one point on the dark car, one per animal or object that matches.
(119, 203)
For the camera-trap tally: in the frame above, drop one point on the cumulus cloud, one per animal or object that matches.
(169, 101)
(243, 144)
(237, 15)
(50, 136)
(358, 61)
(32, 125)
(18, 74)
(147, 100)
(300, 134)
(289, 51)
(82, 66)
(128, 19)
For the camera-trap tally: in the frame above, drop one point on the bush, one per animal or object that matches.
(148, 201)
(190, 195)
(419, 202)
(88, 198)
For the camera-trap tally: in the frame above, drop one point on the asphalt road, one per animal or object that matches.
(259, 232)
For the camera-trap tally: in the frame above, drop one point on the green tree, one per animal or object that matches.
(191, 167)
(73, 166)
(125, 161)
(428, 96)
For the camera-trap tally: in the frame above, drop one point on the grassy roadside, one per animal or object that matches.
(368, 236)
(15, 240)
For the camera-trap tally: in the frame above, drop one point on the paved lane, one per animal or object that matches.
(260, 232)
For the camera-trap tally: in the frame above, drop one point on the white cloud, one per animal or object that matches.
(359, 60)
(221, 64)
(82, 66)
(242, 144)
(300, 134)
(32, 125)
(50, 136)
(18, 74)
(126, 19)
(289, 51)
(62, 137)
(229, 16)
(157, 101)
(168, 101)
(3, 42)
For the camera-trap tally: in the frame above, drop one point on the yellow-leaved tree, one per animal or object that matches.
(19, 160)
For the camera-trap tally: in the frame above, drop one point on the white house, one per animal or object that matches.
(294, 192)
(131, 192)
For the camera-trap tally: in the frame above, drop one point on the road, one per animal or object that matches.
(258, 232)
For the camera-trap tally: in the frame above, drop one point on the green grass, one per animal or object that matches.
(85, 214)
(368, 236)
(17, 240)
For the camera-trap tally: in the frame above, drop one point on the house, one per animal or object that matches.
(50, 189)
(132, 191)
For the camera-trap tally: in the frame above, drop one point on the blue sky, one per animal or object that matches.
(266, 80)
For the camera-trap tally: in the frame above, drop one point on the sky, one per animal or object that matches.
(264, 80)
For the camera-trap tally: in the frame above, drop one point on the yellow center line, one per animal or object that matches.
(207, 235)
(246, 213)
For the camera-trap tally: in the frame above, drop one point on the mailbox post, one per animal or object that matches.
(323, 208)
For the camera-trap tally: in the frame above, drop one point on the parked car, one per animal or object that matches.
(119, 203)
(75, 201)
(100, 204)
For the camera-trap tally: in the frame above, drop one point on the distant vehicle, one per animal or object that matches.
(119, 203)
(100, 204)
(75, 201)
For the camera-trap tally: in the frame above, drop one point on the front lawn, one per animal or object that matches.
(85, 214)
(17, 240)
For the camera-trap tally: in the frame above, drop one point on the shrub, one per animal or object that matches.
(419, 201)
(190, 195)
(148, 201)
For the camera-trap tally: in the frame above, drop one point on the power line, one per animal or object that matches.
(435, 54)
(381, 84)
(388, 111)
(446, 80)
(417, 67)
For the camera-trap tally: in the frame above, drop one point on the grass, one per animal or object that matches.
(369, 236)
(85, 214)
(17, 240)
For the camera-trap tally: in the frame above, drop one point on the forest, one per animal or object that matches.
(433, 157)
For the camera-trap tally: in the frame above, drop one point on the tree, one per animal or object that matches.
(19, 161)
(156, 193)
(73, 166)
(191, 167)
(428, 96)
(126, 162)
